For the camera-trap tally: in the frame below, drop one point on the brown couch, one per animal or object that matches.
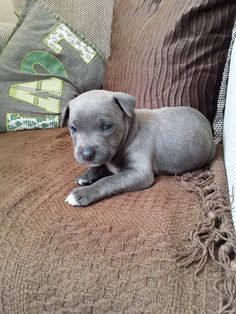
(167, 249)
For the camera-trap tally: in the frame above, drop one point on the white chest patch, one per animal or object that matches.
(113, 169)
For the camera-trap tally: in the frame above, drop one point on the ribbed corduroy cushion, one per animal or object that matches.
(170, 53)
(116, 256)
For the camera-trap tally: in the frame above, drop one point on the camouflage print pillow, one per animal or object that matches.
(45, 64)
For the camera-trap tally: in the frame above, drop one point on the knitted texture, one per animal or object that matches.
(5, 32)
(18, 6)
(118, 255)
(219, 117)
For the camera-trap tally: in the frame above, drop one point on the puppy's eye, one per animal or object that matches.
(107, 127)
(73, 129)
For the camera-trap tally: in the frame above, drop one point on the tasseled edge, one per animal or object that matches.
(214, 237)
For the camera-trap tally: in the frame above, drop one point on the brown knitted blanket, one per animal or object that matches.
(167, 249)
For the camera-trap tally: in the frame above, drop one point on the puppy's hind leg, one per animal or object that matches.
(92, 175)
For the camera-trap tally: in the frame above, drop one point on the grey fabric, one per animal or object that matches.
(44, 65)
(92, 18)
(18, 6)
(5, 32)
(219, 117)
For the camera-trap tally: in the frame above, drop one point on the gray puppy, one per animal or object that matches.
(125, 148)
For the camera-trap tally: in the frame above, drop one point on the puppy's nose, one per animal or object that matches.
(88, 153)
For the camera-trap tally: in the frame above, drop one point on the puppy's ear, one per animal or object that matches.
(126, 103)
(65, 116)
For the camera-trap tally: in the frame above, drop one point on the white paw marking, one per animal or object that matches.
(71, 200)
(81, 181)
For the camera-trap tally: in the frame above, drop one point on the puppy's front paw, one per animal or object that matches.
(85, 179)
(79, 197)
(72, 200)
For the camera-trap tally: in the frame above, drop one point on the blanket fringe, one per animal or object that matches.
(214, 237)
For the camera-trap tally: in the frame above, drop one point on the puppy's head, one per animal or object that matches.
(97, 123)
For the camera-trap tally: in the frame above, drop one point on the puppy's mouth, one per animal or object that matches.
(96, 162)
(91, 163)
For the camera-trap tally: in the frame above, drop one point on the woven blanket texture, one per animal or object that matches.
(161, 250)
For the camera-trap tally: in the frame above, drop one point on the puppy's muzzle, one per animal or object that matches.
(88, 154)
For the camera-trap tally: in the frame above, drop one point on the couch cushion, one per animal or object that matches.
(170, 53)
(117, 255)
(45, 64)
(92, 18)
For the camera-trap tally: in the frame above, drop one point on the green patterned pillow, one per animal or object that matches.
(45, 64)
